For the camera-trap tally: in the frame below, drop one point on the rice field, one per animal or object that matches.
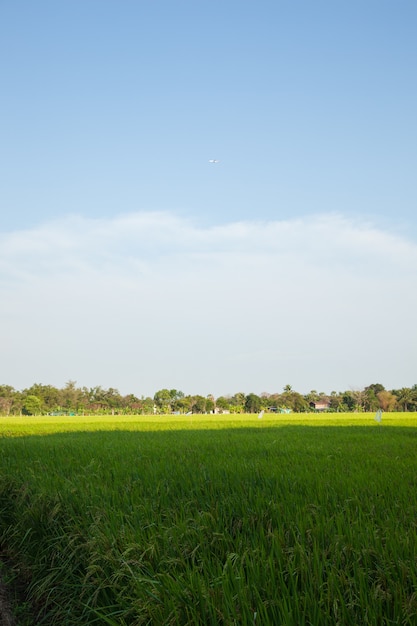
(203, 520)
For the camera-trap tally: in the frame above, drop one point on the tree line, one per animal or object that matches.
(72, 400)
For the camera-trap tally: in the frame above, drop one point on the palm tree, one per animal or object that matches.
(405, 397)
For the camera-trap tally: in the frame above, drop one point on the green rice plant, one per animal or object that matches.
(241, 523)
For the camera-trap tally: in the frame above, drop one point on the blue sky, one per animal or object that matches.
(127, 259)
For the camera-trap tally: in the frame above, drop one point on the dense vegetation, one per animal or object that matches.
(46, 399)
(213, 520)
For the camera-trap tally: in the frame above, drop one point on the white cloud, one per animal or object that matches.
(150, 300)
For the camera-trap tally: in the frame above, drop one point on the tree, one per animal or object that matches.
(210, 404)
(293, 400)
(131, 404)
(184, 404)
(198, 404)
(32, 405)
(237, 402)
(177, 399)
(375, 387)
(113, 399)
(252, 403)
(148, 405)
(137, 406)
(387, 400)
(312, 396)
(371, 402)
(335, 401)
(49, 396)
(348, 401)
(222, 403)
(7, 398)
(71, 396)
(406, 398)
(299, 404)
(97, 399)
(5, 405)
(162, 400)
(274, 401)
(359, 397)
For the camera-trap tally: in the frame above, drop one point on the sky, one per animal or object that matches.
(128, 260)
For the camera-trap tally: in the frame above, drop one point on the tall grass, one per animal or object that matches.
(250, 524)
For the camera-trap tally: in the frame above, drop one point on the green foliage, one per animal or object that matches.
(222, 403)
(72, 400)
(198, 404)
(253, 403)
(32, 405)
(221, 521)
(407, 398)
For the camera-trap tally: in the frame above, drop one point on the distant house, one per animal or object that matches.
(320, 405)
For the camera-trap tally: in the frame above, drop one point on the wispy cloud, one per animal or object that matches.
(151, 300)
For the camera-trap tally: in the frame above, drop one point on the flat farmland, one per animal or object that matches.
(189, 520)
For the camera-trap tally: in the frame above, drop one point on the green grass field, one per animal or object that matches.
(230, 520)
